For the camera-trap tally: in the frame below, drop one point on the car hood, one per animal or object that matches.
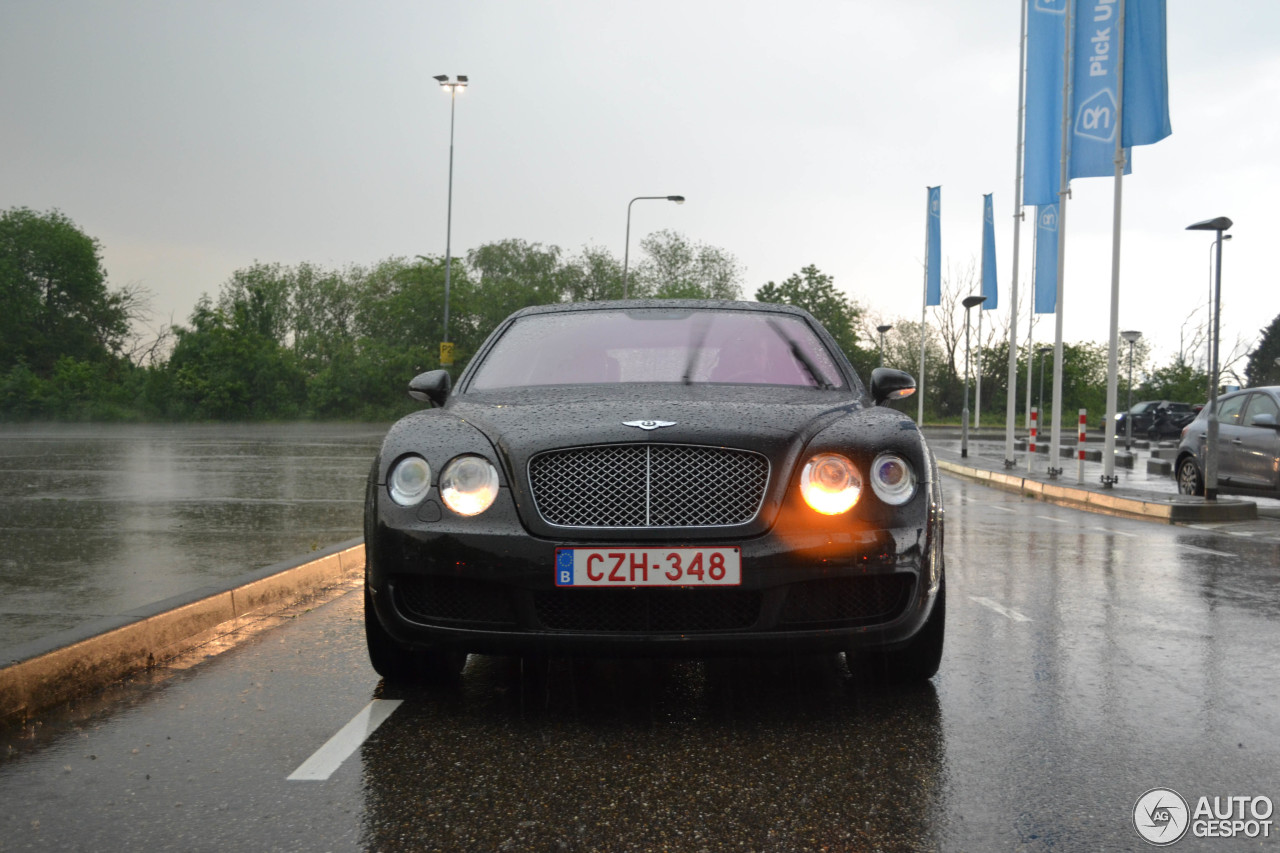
(532, 420)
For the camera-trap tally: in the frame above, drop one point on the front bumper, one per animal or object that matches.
(492, 590)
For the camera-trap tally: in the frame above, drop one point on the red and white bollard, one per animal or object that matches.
(1080, 450)
(1031, 445)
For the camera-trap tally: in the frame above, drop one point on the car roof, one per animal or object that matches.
(695, 304)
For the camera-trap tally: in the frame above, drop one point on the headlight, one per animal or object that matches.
(409, 481)
(893, 479)
(469, 485)
(830, 483)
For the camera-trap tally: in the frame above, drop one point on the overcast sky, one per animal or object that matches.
(194, 138)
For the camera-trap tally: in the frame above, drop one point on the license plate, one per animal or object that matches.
(648, 567)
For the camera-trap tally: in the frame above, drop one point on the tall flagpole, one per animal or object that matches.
(1011, 403)
(924, 304)
(1031, 316)
(1113, 357)
(1064, 190)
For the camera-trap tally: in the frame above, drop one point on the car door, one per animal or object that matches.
(1229, 435)
(1257, 449)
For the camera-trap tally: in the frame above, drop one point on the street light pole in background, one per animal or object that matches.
(626, 253)
(1219, 225)
(882, 330)
(452, 87)
(969, 302)
(1208, 355)
(1132, 338)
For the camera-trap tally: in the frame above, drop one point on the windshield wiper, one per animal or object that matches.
(700, 331)
(800, 355)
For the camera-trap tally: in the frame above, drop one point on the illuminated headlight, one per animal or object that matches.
(893, 479)
(830, 483)
(469, 485)
(409, 481)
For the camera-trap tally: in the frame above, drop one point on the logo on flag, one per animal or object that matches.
(1096, 117)
(1049, 217)
(1053, 7)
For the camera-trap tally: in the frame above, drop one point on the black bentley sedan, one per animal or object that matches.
(662, 477)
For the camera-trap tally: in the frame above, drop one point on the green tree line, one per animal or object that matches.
(287, 342)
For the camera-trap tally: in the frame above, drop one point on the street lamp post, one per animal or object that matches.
(1132, 338)
(626, 253)
(1040, 397)
(969, 302)
(882, 330)
(452, 87)
(1220, 224)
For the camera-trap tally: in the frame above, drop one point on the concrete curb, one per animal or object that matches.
(1172, 510)
(74, 663)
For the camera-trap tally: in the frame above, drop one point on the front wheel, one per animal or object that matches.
(1190, 481)
(399, 663)
(917, 661)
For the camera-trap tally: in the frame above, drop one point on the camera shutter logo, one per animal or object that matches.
(1161, 816)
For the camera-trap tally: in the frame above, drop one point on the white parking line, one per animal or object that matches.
(1199, 550)
(328, 758)
(1051, 518)
(1240, 533)
(1001, 508)
(1001, 609)
(1116, 532)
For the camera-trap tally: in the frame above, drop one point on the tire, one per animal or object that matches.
(398, 663)
(1190, 480)
(919, 660)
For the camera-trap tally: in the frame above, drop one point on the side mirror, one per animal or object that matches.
(1263, 421)
(889, 384)
(431, 387)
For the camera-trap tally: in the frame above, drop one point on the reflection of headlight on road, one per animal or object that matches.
(469, 485)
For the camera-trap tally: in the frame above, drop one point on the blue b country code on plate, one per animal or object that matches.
(634, 566)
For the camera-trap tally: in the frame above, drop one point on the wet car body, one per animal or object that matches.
(723, 462)
(1248, 445)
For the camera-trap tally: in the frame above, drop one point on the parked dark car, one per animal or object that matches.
(670, 477)
(1154, 419)
(1248, 445)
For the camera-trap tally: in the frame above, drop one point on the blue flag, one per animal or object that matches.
(1094, 75)
(933, 248)
(1146, 73)
(989, 288)
(1046, 259)
(1042, 141)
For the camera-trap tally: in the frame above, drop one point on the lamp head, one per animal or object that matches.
(678, 199)
(976, 299)
(1222, 223)
(1131, 336)
(1043, 350)
(883, 329)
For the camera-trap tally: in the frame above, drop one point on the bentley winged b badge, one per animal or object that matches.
(648, 425)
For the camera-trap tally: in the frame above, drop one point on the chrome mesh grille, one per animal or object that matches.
(648, 485)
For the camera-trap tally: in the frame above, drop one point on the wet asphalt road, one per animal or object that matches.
(99, 519)
(1088, 660)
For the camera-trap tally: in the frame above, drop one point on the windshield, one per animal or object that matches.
(658, 345)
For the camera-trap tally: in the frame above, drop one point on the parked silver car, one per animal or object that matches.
(1248, 445)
